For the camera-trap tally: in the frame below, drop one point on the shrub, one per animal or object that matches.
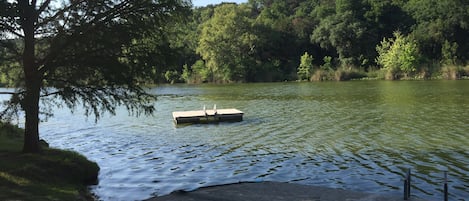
(327, 63)
(349, 74)
(323, 75)
(200, 73)
(451, 72)
(186, 73)
(448, 53)
(306, 67)
(398, 55)
(172, 76)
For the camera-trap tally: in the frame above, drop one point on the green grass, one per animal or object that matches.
(50, 175)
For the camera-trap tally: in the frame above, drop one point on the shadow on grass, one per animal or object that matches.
(50, 175)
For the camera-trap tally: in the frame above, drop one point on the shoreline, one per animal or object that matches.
(52, 174)
(279, 191)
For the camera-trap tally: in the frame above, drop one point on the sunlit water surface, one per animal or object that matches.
(360, 136)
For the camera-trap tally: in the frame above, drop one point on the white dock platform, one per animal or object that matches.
(204, 116)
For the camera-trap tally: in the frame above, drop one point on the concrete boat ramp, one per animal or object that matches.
(275, 191)
(207, 116)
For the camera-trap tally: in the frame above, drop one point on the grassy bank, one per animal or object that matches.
(51, 175)
(424, 73)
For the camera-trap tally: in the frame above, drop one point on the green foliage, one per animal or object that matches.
(92, 53)
(327, 63)
(257, 41)
(186, 73)
(347, 31)
(226, 43)
(11, 73)
(306, 67)
(437, 22)
(449, 51)
(399, 54)
(200, 73)
(341, 31)
(172, 76)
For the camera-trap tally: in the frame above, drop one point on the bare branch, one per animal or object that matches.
(9, 93)
(11, 30)
(51, 94)
(59, 13)
(43, 7)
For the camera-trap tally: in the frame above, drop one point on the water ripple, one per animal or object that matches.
(354, 135)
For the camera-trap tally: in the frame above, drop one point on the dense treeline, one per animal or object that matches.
(266, 40)
(277, 40)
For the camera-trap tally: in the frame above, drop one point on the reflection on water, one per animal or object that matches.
(353, 135)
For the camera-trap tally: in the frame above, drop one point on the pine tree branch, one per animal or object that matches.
(11, 30)
(10, 93)
(90, 26)
(43, 6)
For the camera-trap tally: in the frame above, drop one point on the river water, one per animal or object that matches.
(361, 136)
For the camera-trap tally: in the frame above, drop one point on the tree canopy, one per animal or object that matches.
(226, 43)
(81, 52)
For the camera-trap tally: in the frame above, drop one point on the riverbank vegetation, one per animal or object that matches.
(50, 175)
(264, 40)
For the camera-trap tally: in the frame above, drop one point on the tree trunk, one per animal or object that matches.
(31, 108)
(30, 103)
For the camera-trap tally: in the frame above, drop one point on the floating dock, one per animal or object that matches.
(207, 116)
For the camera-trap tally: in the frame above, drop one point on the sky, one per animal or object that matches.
(199, 3)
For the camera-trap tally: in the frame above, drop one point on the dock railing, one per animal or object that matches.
(408, 184)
